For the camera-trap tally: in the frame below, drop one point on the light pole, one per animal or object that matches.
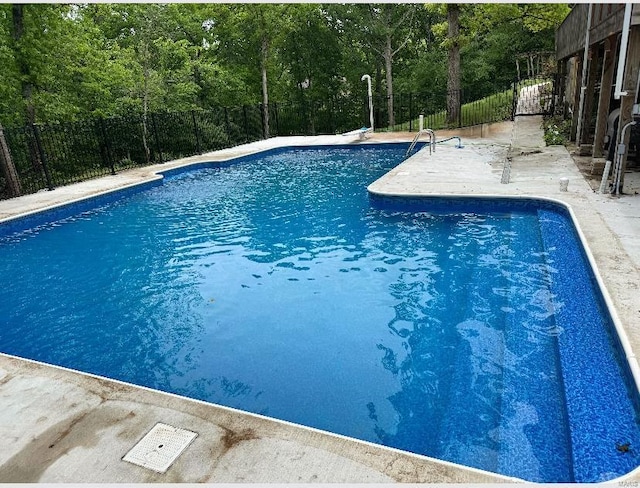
(368, 78)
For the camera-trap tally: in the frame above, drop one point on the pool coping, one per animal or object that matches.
(156, 174)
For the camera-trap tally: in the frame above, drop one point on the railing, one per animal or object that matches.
(432, 141)
(50, 155)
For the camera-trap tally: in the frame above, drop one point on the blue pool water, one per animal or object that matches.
(466, 330)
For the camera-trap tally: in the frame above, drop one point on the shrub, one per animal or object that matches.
(556, 131)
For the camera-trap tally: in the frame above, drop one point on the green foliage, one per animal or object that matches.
(556, 130)
(315, 72)
(491, 37)
(10, 96)
(74, 61)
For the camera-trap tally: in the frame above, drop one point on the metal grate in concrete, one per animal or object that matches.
(160, 447)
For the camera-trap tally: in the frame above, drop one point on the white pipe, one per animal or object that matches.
(368, 78)
(605, 177)
(583, 82)
(421, 121)
(622, 55)
(620, 150)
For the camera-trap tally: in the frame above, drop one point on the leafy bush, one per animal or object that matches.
(556, 131)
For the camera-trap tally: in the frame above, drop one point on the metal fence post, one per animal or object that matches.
(227, 125)
(42, 156)
(246, 124)
(332, 120)
(107, 146)
(155, 136)
(8, 167)
(276, 117)
(263, 118)
(195, 130)
(312, 117)
(410, 111)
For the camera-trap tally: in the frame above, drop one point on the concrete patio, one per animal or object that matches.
(65, 426)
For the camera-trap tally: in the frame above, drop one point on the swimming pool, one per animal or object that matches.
(463, 329)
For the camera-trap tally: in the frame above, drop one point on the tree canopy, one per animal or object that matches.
(72, 61)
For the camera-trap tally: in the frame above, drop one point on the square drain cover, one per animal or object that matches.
(160, 447)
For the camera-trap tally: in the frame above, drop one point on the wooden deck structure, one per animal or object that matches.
(598, 80)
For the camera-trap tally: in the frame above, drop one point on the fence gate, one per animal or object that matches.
(534, 96)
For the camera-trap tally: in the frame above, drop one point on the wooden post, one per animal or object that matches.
(8, 168)
(629, 85)
(562, 84)
(608, 66)
(588, 96)
(576, 96)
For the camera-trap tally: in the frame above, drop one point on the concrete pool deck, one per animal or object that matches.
(64, 426)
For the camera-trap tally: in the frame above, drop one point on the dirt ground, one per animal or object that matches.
(584, 164)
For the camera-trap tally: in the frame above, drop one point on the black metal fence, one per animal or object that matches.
(535, 96)
(51, 155)
(303, 117)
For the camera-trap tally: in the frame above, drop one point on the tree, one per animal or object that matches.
(34, 32)
(152, 44)
(453, 84)
(250, 36)
(385, 29)
(69, 61)
(486, 38)
(392, 26)
(11, 111)
(17, 33)
(314, 72)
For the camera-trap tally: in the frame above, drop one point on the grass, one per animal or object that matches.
(493, 108)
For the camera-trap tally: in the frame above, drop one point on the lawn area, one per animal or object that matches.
(493, 108)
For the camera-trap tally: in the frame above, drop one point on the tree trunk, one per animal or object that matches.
(17, 30)
(377, 95)
(453, 81)
(8, 168)
(145, 101)
(388, 68)
(265, 92)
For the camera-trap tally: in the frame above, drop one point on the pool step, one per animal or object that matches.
(476, 378)
(533, 438)
(600, 414)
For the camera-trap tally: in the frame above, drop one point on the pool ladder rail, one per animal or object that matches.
(432, 141)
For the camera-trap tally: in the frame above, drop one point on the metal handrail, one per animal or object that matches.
(432, 141)
(458, 146)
